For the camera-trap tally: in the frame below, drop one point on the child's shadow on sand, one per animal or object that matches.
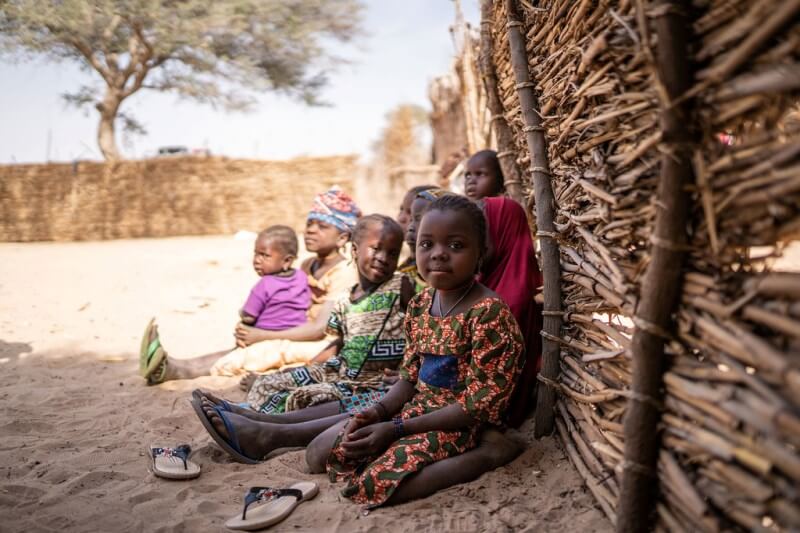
(13, 350)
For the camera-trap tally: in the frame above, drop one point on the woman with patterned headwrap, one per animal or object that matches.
(332, 218)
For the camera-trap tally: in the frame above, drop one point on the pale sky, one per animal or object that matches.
(409, 43)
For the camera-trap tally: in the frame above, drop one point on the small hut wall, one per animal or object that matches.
(730, 430)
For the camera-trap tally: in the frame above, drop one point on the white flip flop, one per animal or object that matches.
(278, 504)
(174, 463)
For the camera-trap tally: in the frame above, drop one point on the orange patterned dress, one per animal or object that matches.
(471, 358)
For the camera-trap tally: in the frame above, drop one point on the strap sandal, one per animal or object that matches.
(174, 463)
(275, 505)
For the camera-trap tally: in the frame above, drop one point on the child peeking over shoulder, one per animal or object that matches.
(281, 297)
(483, 177)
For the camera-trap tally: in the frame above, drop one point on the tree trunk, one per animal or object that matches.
(106, 136)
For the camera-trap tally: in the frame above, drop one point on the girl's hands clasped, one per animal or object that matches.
(368, 441)
(365, 434)
(360, 420)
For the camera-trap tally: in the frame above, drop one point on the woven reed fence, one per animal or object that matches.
(162, 197)
(728, 403)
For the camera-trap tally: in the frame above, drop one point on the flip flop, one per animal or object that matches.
(279, 504)
(152, 357)
(143, 349)
(198, 395)
(174, 463)
(232, 447)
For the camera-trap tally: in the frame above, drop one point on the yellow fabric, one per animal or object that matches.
(267, 355)
(331, 286)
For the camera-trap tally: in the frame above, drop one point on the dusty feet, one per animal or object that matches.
(255, 439)
(210, 400)
(499, 450)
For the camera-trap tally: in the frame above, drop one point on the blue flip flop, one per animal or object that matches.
(231, 446)
(224, 404)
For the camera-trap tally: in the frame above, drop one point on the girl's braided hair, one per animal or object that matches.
(458, 203)
(364, 223)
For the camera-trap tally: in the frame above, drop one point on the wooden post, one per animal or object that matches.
(506, 149)
(660, 288)
(545, 212)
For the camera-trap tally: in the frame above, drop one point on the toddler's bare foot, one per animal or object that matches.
(247, 381)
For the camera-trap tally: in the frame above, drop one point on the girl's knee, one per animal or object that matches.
(317, 456)
(319, 449)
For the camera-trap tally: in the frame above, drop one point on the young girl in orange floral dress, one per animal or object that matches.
(463, 355)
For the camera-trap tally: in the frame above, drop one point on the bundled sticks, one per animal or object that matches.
(727, 455)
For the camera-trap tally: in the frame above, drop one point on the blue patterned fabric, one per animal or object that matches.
(439, 370)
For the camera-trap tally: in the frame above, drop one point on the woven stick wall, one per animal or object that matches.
(730, 426)
(162, 197)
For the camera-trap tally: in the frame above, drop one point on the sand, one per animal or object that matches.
(77, 419)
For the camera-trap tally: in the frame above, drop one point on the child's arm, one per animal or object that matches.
(256, 302)
(310, 331)
(407, 290)
(331, 350)
(246, 318)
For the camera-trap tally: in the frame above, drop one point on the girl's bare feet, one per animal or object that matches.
(255, 439)
(303, 415)
(210, 401)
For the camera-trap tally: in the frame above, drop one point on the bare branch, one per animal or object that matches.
(108, 35)
(92, 59)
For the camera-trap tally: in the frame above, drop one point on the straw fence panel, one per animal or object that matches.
(162, 197)
(731, 421)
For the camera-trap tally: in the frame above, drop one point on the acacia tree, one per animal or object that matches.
(212, 51)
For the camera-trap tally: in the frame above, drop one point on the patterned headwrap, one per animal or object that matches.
(335, 207)
(433, 194)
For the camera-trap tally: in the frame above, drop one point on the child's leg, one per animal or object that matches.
(257, 439)
(320, 448)
(314, 412)
(494, 450)
(192, 368)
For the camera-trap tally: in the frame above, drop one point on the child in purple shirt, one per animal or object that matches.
(281, 297)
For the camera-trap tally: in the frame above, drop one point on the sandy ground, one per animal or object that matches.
(76, 418)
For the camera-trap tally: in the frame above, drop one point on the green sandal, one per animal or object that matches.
(143, 348)
(152, 357)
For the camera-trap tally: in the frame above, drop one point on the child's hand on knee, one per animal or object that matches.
(360, 420)
(390, 376)
(369, 441)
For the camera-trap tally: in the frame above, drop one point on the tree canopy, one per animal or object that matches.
(402, 140)
(212, 51)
